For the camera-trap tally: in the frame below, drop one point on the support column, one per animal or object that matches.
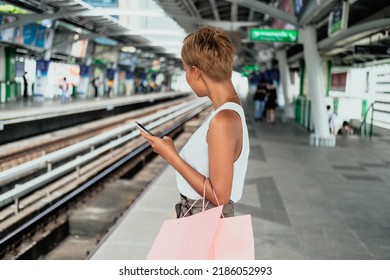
(321, 135)
(10, 74)
(286, 83)
(2, 76)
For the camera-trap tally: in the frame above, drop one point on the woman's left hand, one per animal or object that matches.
(162, 146)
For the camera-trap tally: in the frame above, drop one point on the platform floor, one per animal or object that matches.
(22, 110)
(307, 203)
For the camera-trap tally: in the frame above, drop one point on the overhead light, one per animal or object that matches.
(106, 41)
(129, 49)
(21, 51)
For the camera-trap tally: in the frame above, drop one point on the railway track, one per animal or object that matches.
(30, 221)
(22, 151)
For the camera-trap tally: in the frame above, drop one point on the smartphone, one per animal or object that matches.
(144, 129)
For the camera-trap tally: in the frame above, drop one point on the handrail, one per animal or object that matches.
(151, 121)
(371, 109)
(363, 125)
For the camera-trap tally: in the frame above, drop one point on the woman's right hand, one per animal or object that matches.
(162, 146)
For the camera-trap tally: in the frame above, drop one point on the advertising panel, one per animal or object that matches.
(32, 34)
(338, 18)
(8, 34)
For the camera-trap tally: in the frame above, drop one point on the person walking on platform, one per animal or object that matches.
(110, 84)
(96, 84)
(270, 105)
(260, 99)
(331, 120)
(215, 158)
(64, 91)
(25, 86)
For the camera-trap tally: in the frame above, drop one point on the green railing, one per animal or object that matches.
(377, 114)
(303, 112)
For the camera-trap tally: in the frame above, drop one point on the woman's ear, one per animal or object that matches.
(197, 71)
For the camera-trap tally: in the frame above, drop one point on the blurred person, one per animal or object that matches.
(110, 84)
(331, 120)
(164, 87)
(25, 86)
(216, 156)
(260, 99)
(270, 105)
(96, 84)
(64, 91)
(345, 129)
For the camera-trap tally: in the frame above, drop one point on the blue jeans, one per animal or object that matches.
(259, 109)
(64, 97)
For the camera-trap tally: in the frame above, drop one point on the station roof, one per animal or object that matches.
(368, 23)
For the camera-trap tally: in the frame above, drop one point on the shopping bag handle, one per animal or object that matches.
(204, 199)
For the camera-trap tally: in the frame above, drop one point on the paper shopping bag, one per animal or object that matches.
(187, 238)
(233, 239)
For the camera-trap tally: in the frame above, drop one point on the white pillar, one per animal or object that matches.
(2, 77)
(2, 64)
(286, 83)
(321, 136)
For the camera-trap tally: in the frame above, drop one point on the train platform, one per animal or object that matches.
(306, 203)
(20, 119)
(22, 109)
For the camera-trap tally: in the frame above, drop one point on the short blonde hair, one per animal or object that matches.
(211, 50)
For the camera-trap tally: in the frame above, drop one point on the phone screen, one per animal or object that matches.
(144, 129)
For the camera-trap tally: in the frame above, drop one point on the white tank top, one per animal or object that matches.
(195, 153)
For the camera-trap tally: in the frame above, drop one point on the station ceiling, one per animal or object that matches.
(368, 23)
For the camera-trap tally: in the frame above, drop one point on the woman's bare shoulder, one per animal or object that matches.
(225, 119)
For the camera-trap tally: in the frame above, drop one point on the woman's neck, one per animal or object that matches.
(221, 93)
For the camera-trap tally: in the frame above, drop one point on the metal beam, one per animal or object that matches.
(23, 19)
(191, 8)
(315, 9)
(214, 9)
(363, 29)
(228, 25)
(135, 32)
(263, 8)
(234, 12)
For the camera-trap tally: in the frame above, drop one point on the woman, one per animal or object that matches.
(216, 156)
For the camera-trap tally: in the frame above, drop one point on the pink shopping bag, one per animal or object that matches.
(233, 239)
(188, 238)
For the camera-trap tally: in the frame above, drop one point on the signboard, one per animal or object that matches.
(373, 50)
(338, 18)
(273, 35)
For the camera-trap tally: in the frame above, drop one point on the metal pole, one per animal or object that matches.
(285, 78)
(372, 119)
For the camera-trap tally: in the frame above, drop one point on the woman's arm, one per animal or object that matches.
(224, 143)
(224, 140)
